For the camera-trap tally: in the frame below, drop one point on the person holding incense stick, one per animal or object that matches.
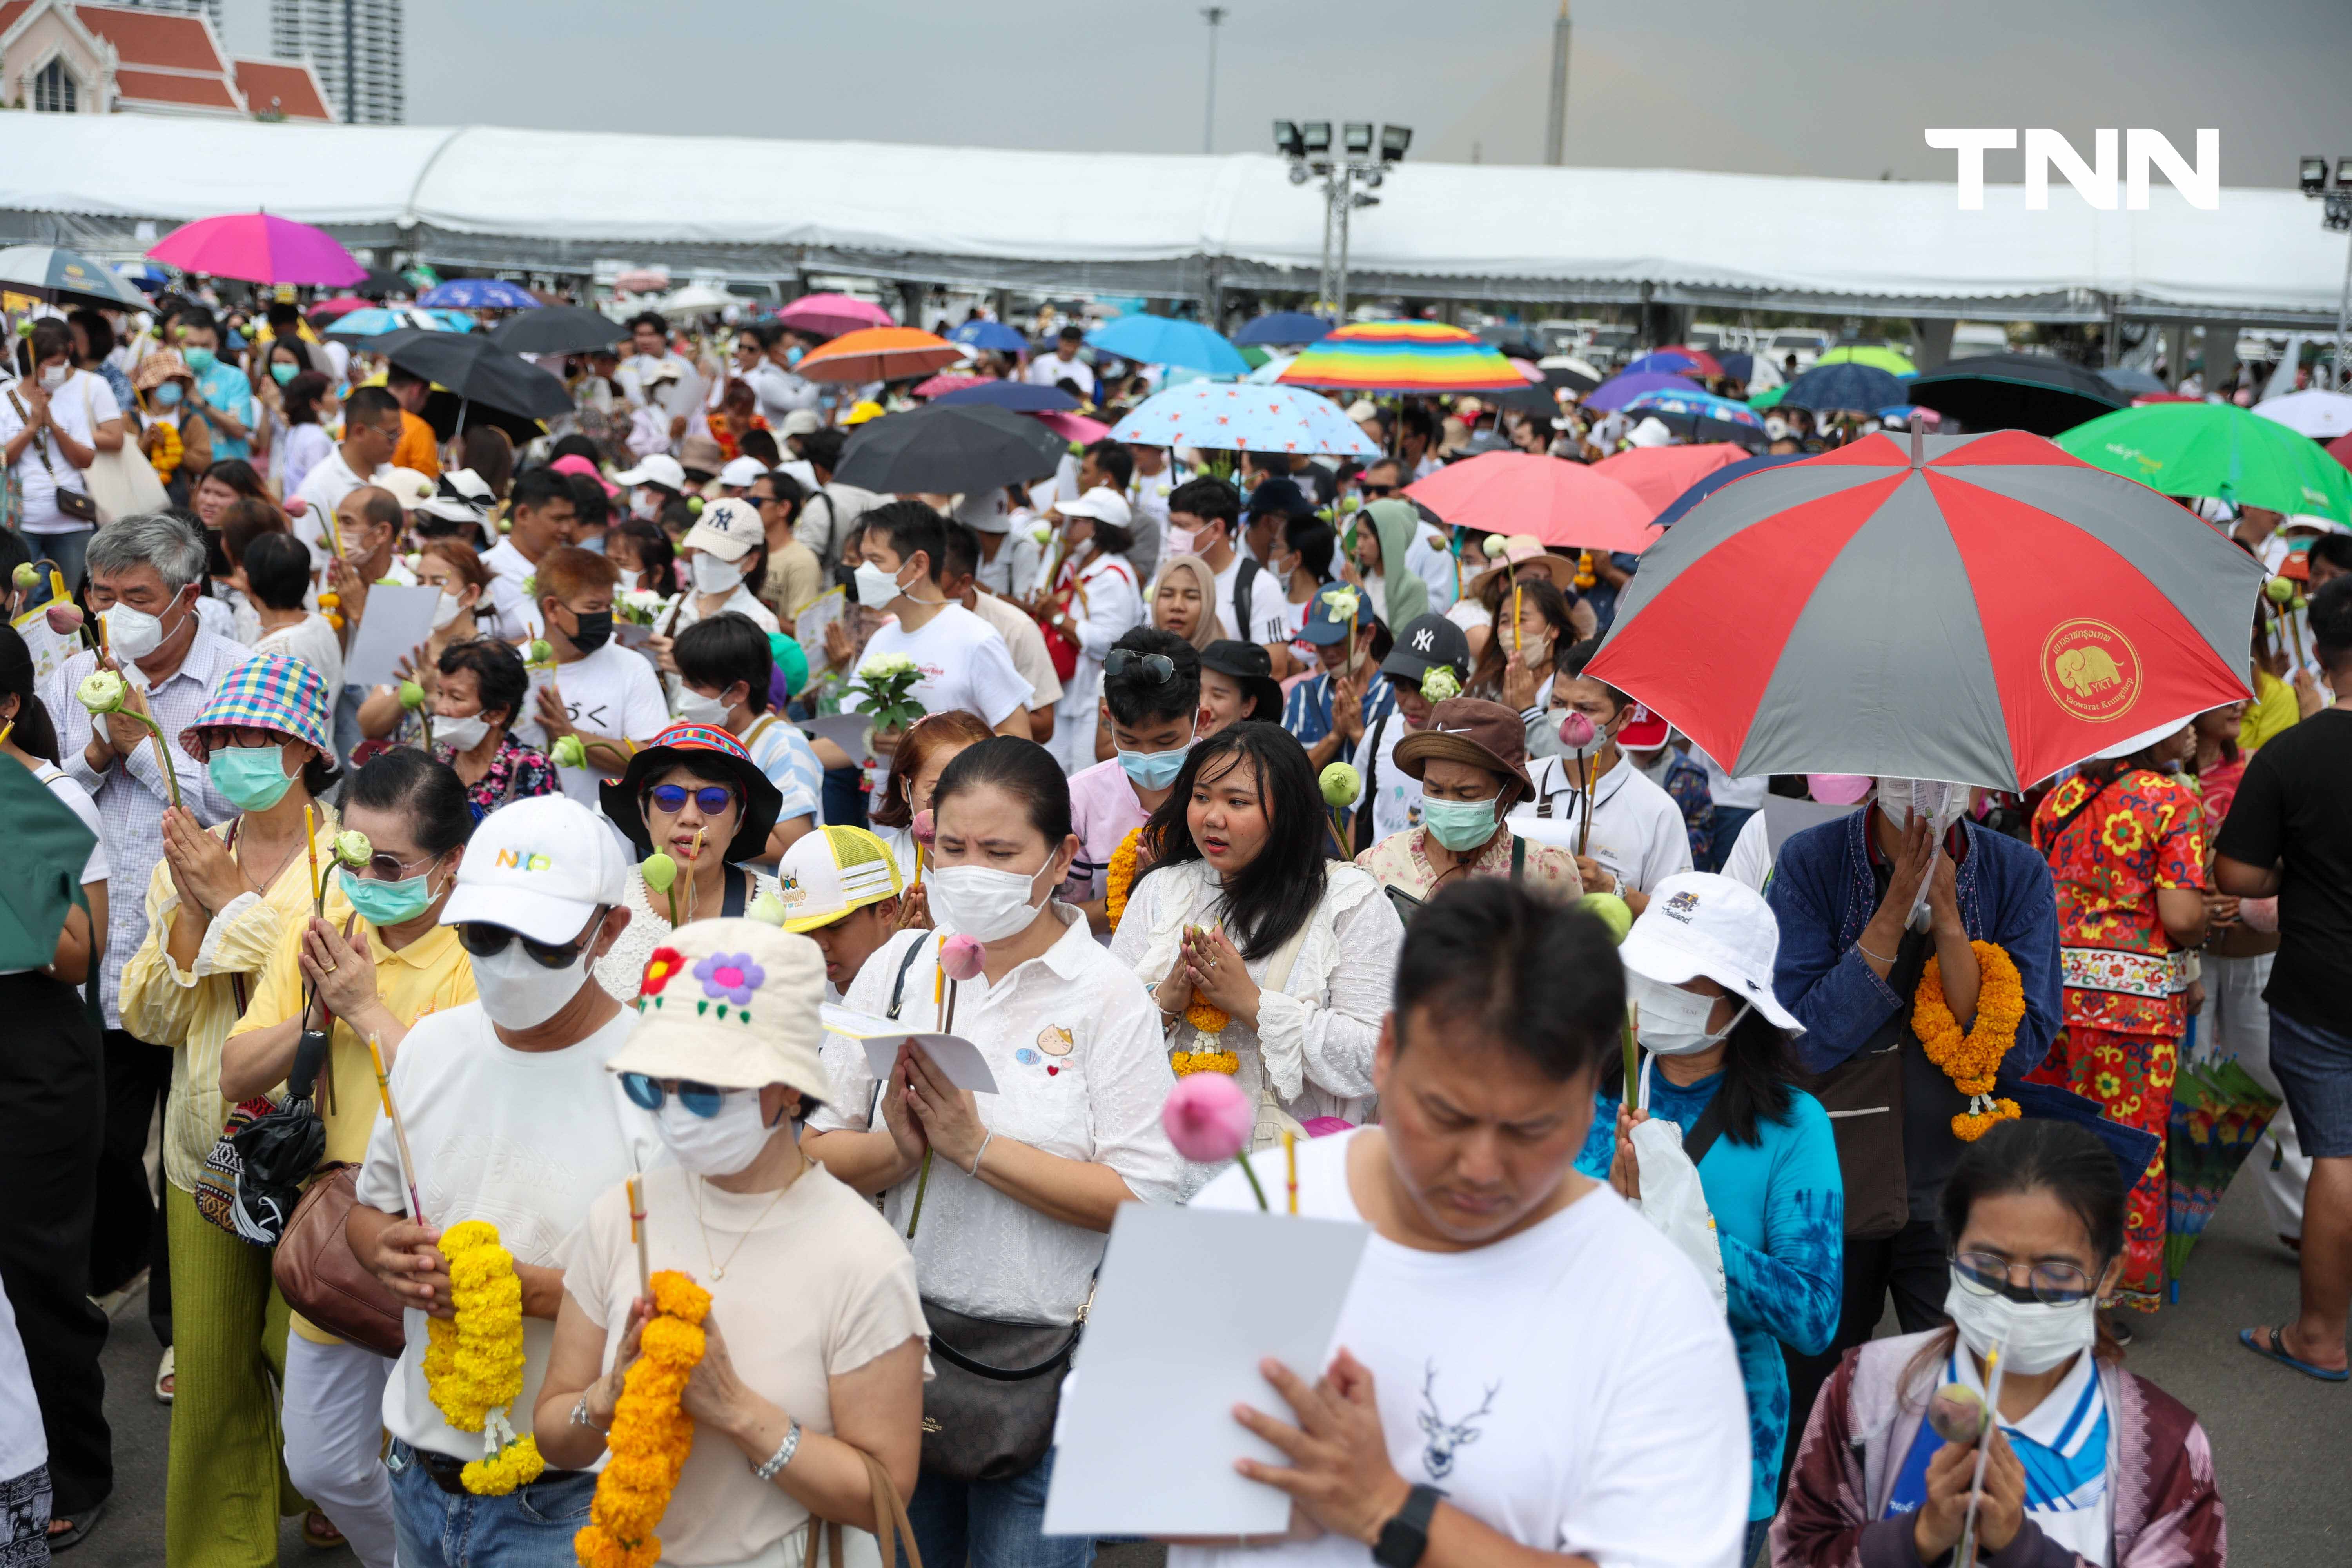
(369, 969)
(2091, 1464)
(696, 809)
(216, 907)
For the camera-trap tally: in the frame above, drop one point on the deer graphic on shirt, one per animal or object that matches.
(1445, 1438)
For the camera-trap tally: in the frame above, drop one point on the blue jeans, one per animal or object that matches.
(67, 550)
(532, 1527)
(998, 1524)
(2314, 1070)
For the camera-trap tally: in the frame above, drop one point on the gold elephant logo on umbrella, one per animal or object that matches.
(2087, 671)
(2091, 670)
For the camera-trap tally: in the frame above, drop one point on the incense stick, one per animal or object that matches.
(1290, 1167)
(1997, 1367)
(637, 1235)
(399, 1130)
(1632, 1051)
(310, 844)
(694, 859)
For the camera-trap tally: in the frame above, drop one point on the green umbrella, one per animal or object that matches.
(47, 847)
(2215, 450)
(1871, 355)
(1768, 398)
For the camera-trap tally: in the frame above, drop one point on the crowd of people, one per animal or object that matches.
(1230, 765)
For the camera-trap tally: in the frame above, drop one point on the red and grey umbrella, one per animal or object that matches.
(1982, 609)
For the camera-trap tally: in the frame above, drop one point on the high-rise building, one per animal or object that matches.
(356, 48)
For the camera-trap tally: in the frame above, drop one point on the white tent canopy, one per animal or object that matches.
(1170, 223)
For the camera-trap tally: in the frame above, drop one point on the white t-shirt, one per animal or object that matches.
(1750, 861)
(779, 392)
(1396, 803)
(525, 1140)
(306, 445)
(312, 641)
(739, 602)
(1027, 646)
(84, 403)
(1739, 794)
(613, 692)
(1050, 369)
(964, 664)
(517, 616)
(94, 869)
(24, 1444)
(1638, 834)
(1573, 1387)
(323, 489)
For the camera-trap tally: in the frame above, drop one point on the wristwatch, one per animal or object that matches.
(1404, 1538)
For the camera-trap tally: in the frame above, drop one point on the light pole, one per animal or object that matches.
(1362, 159)
(1216, 16)
(2335, 214)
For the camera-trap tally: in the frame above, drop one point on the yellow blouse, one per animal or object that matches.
(2273, 710)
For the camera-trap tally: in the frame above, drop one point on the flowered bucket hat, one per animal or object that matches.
(731, 1002)
(267, 691)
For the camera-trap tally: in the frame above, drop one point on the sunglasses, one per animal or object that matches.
(701, 1099)
(1155, 667)
(388, 867)
(2051, 1284)
(484, 940)
(1376, 491)
(709, 799)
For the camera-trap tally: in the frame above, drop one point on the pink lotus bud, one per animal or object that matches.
(1577, 733)
(923, 827)
(1208, 1117)
(961, 958)
(65, 620)
(295, 506)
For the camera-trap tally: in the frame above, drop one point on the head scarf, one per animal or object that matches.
(1211, 626)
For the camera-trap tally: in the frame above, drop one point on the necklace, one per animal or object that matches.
(717, 1268)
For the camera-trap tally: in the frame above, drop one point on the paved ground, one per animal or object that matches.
(2281, 1442)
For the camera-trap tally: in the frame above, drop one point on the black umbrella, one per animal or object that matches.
(2017, 391)
(2131, 383)
(1017, 395)
(1576, 381)
(1530, 399)
(557, 330)
(476, 370)
(380, 284)
(66, 278)
(1845, 386)
(968, 449)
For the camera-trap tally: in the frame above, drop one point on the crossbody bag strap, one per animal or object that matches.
(954, 1357)
(1367, 831)
(1705, 1131)
(40, 437)
(899, 983)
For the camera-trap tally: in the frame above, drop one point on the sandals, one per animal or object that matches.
(166, 1382)
(76, 1531)
(2276, 1351)
(319, 1531)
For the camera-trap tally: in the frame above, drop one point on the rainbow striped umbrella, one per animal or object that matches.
(1425, 357)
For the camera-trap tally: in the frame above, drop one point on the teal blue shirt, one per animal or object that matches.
(1779, 1217)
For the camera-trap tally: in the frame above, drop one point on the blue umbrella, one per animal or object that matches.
(1720, 477)
(1283, 327)
(480, 294)
(453, 321)
(1620, 390)
(1844, 386)
(1019, 397)
(1694, 405)
(1163, 339)
(990, 335)
(374, 321)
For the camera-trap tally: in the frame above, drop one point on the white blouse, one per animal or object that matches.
(1073, 1045)
(1315, 1037)
(620, 971)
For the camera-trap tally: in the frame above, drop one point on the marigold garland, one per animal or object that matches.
(1119, 879)
(1973, 1061)
(651, 1435)
(473, 1361)
(1207, 1054)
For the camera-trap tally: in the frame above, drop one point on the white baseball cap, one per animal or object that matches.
(661, 469)
(801, 422)
(1103, 504)
(1650, 432)
(539, 866)
(728, 528)
(1699, 923)
(739, 472)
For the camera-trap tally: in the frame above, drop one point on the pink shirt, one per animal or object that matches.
(1103, 811)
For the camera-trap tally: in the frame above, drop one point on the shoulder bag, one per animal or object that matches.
(122, 482)
(894, 1531)
(322, 1279)
(253, 1178)
(1864, 1098)
(74, 504)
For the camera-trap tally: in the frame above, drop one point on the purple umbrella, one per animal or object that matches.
(258, 248)
(1620, 390)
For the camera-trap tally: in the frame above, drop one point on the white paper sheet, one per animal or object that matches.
(394, 621)
(1146, 1440)
(952, 1054)
(847, 731)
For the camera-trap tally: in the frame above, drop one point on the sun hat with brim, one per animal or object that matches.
(701, 455)
(708, 750)
(1525, 553)
(160, 366)
(1699, 923)
(801, 422)
(835, 872)
(1249, 664)
(268, 691)
(733, 1004)
(540, 866)
(1466, 729)
(660, 468)
(409, 486)
(728, 528)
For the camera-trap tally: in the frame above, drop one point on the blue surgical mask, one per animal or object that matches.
(1460, 826)
(168, 395)
(792, 354)
(382, 904)
(251, 778)
(282, 372)
(1154, 770)
(199, 360)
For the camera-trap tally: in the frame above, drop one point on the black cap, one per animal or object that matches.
(1279, 495)
(1253, 667)
(1426, 642)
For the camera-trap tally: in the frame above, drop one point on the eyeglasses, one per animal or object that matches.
(701, 1099)
(709, 799)
(484, 940)
(2051, 1284)
(1155, 667)
(247, 737)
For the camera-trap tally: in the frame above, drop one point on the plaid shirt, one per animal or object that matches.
(131, 794)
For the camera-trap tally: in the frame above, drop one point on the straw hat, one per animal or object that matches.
(1525, 552)
(731, 1002)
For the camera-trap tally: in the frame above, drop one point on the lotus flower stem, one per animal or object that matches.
(1584, 825)
(922, 1182)
(1263, 1206)
(1632, 1051)
(163, 758)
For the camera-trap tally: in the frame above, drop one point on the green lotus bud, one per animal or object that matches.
(568, 752)
(2298, 603)
(694, 505)
(541, 651)
(660, 871)
(2280, 589)
(767, 907)
(1613, 911)
(1341, 784)
(352, 848)
(412, 696)
(1957, 1414)
(26, 576)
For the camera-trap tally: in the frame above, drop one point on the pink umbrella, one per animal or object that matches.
(258, 247)
(1074, 427)
(1561, 503)
(830, 315)
(947, 381)
(1660, 475)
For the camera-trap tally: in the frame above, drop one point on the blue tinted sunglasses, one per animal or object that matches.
(701, 1099)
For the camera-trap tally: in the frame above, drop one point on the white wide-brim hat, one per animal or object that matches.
(1699, 923)
(731, 1002)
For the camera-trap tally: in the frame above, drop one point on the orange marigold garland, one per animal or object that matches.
(651, 1435)
(1972, 1060)
(1119, 879)
(1208, 1053)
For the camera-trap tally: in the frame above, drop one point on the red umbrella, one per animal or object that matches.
(335, 309)
(830, 315)
(1981, 609)
(1561, 503)
(1660, 475)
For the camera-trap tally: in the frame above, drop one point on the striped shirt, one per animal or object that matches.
(1307, 713)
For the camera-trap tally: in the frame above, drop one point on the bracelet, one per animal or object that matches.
(979, 1152)
(1868, 953)
(767, 1469)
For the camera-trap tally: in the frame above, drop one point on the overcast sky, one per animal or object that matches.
(1820, 86)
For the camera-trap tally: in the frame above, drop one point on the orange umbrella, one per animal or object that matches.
(879, 353)
(1660, 475)
(1560, 503)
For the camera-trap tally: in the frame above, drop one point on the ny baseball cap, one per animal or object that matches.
(1425, 643)
(728, 528)
(539, 866)
(1699, 923)
(834, 872)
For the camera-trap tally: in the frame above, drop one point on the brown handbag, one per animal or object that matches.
(323, 1279)
(892, 1529)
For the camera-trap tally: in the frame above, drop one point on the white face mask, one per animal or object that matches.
(132, 633)
(1673, 1021)
(464, 733)
(447, 610)
(875, 587)
(54, 376)
(716, 1145)
(628, 579)
(2032, 1337)
(1899, 798)
(983, 904)
(517, 992)
(644, 504)
(694, 708)
(1180, 541)
(712, 575)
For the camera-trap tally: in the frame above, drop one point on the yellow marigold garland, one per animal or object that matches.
(1973, 1061)
(651, 1435)
(1119, 879)
(1207, 1055)
(473, 1362)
